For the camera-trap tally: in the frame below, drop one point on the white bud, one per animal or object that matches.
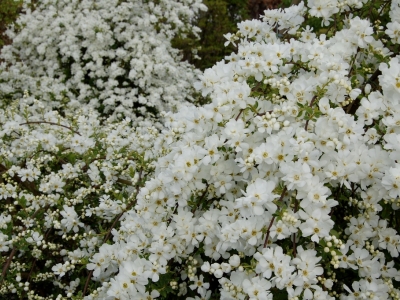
(367, 89)
(234, 260)
(218, 273)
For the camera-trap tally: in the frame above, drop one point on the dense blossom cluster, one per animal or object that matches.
(285, 186)
(115, 55)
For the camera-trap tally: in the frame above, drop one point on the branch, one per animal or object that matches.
(240, 112)
(7, 265)
(124, 181)
(351, 109)
(51, 123)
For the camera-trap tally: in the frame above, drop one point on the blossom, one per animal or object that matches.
(296, 174)
(199, 284)
(35, 238)
(317, 224)
(257, 288)
(70, 219)
(260, 195)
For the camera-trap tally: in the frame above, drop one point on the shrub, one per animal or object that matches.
(285, 186)
(66, 181)
(115, 55)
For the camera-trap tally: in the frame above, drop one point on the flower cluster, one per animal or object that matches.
(285, 186)
(115, 55)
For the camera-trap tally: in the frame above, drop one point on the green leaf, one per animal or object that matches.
(22, 201)
(131, 172)
(309, 110)
(300, 113)
(334, 232)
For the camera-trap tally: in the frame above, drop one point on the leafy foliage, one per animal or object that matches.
(220, 18)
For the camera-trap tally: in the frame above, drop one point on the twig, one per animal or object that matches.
(269, 227)
(311, 104)
(240, 112)
(87, 283)
(51, 123)
(294, 234)
(7, 265)
(355, 103)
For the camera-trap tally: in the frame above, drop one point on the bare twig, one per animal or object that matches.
(51, 123)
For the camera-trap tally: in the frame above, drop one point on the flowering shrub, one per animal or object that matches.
(115, 55)
(66, 182)
(285, 186)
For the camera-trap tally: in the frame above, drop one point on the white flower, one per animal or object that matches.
(257, 288)
(70, 219)
(199, 284)
(36, 238)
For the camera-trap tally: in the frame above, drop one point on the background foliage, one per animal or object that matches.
(9, 10)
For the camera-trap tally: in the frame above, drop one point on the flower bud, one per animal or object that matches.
(367, 89)
(218, 273)
(234, 260)
(206, 267)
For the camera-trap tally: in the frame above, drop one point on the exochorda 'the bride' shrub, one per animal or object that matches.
(115, 55)
(285, 186)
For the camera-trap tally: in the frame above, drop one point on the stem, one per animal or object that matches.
(116, 220)
(87, 283)
(124, 181)
(31, 270)
(51, 123)
(310, 105)
(240, 112)
(201, 198)
(7, 265)
(296, 207)
(269, 227)
(355, 103)
(353, 61)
